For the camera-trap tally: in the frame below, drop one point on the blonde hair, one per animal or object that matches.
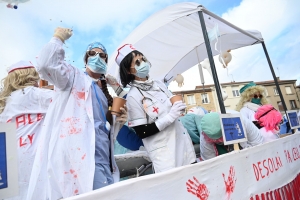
(247, 95)
(16, 80)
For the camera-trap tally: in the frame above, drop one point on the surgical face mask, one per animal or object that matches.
(97, 64)
(256, 101)
(142, 71)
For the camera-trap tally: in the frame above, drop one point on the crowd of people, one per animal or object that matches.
(66, 136)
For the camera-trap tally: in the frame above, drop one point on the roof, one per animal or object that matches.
(265, 83)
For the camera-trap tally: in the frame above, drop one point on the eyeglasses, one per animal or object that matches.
(95, 53)
(257, 96)
(138, 61)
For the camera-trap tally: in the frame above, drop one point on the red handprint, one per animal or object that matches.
(198, 189)
(230, 183)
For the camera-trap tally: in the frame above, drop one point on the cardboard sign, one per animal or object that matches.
(9, 185)
(233, 130)
(293, 119)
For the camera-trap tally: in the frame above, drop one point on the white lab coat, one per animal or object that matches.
(65, 162)
(254, 136)
(248, 110)
(26, 108)
(171, 147)
(268, 135)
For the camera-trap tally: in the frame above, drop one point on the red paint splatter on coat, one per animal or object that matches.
(73, 125)
(72, 171)
(198, 189)
(80, 95)
(83, 157)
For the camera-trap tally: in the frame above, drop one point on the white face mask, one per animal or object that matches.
(142, 71)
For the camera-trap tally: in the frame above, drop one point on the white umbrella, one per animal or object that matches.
(172, 37)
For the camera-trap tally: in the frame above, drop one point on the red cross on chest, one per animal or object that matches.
(155, 109)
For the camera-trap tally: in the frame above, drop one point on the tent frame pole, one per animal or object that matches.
(275, 78)
(211, 61)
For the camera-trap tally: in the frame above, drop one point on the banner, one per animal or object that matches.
(268, 171)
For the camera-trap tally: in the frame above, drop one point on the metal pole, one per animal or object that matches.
(275, 78)
(212, 64)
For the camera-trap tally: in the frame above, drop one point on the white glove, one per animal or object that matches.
(175, 112)
(112, 81)
(122, 119)
(63, 33)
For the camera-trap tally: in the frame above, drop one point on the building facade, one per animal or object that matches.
(288, 88)
(199, 97)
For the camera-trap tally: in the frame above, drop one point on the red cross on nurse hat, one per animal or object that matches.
(124, 51)
(20, 65)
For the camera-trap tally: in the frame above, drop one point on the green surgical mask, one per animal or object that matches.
(256, 101)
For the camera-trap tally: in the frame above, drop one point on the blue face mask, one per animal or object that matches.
(142, 71)
(97, 64)
(256, 101)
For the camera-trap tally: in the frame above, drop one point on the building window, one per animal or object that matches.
(266, 91)
(293, 104)
(235, 92)
(280, 107)
(191, 99)
(275, 91)
(205, 98)
(288, 90)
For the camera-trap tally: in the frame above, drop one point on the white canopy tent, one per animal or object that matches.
(170, 37)
(173, 41)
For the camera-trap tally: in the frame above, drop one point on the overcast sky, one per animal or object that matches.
(24, 31)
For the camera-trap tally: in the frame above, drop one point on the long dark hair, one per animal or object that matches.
(109, 99)
(125, 64)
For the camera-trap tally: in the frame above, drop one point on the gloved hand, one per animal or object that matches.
(63, 33)
(112, 81)
(122, 119)
(176, 109)
(175, 112)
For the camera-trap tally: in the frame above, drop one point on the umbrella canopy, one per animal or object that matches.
(173, 42)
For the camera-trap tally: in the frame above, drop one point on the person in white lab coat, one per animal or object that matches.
(269, 119)
(25, 105)
(252, 97)
(152, 115)
(76, 153)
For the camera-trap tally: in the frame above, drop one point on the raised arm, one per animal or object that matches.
(50, 61)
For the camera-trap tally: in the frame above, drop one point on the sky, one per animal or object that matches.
(25, 30)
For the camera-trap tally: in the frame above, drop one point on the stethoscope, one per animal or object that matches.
(152, 103)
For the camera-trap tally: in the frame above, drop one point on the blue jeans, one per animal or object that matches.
(103, 176)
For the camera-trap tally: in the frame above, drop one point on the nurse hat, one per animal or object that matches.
(249, 85)
(123, 51)
(20, 65)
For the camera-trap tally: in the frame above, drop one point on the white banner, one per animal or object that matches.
(267, 171)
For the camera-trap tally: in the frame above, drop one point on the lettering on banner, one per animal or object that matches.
(293, 156)
(22, 141)
(27, 119)
(263, 169)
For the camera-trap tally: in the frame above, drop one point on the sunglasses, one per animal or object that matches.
(95, 53)
(138, 61)
(257, 96)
